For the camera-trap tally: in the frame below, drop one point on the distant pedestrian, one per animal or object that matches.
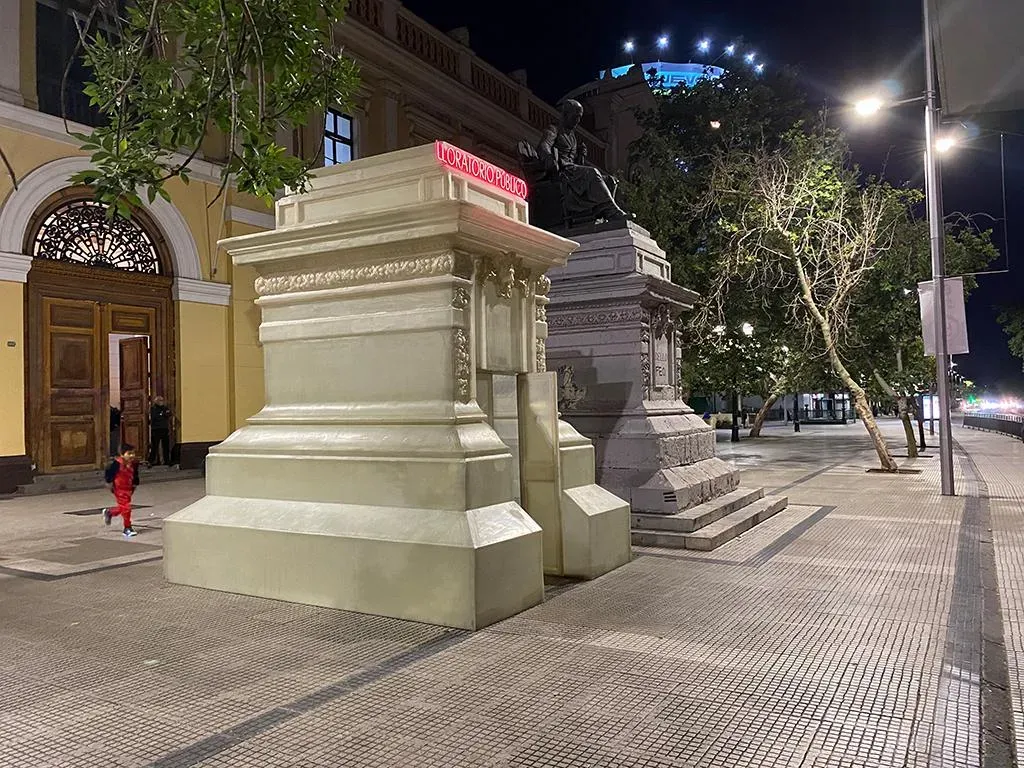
(123, 476)
(159, 433)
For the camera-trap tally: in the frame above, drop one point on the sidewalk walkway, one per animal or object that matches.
(845, 631)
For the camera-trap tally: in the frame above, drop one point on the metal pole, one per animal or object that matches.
(735, 437)
(933, 187)
(796, 412)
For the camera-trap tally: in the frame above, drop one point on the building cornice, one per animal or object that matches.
(52, 127)
(14, 267)
(201, 291)
(250, 217)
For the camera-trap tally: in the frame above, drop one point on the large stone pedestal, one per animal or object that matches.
(394, 295)
(612, 337)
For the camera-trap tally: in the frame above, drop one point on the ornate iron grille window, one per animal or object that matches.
(80, 232)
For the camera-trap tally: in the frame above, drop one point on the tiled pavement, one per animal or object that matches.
(845, 631)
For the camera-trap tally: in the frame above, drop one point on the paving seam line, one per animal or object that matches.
(229, 738)
(998, 742)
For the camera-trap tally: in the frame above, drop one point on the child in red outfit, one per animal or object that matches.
(123, 476)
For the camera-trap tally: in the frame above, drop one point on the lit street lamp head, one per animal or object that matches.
(944, 144)
(748, 329)
(662, 42)
(730, 49)
(704, 45)
(628, 46)
(869, 106)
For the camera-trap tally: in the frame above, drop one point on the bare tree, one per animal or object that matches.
(801, 223)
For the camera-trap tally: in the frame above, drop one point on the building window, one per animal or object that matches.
(338, 146)
(57, 50)
(79, 232)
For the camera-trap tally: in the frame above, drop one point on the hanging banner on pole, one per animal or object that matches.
(956, 316)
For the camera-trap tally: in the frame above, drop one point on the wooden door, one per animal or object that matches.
(73, 417)
(134, 369)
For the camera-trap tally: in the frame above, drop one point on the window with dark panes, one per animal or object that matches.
(57, 25)
(338, 142)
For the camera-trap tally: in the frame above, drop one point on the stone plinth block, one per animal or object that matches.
(397, 296)
(612, 337)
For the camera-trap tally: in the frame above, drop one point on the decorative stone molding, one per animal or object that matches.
(14, 267)
(51, 127)
(201, 291)
(542, 313)
(645, 360)
(463, 366)
(543, 285)
(507, 272)
(461, 298)
(569, 395)
(402, 269)
(252, 218)
(601, 317)
(37, 186)
(542, 357)
(661, 320)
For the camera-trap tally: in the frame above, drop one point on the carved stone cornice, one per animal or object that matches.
(603, 317)
(447, 263)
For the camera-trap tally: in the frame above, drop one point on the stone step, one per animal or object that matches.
(90, 481)
(717, 533)
(697, 517)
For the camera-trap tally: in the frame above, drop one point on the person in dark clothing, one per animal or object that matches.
(159, 432)
(115, 431)
(123, 477)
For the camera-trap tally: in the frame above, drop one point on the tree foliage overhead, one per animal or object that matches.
(1012, 320)
(167, 71)
(671, 163)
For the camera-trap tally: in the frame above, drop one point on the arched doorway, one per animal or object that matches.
(100, 317)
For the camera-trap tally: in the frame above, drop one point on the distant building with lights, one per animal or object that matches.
(611, 101)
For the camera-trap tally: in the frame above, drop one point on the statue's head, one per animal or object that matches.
(572, 113)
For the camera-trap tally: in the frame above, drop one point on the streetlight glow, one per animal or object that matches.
(730, 49)
(663, 42)
(759, 68)
(750, 57)
(869, 106)
(628, 46)
(748, 329)
(716, 124)
(944, 144)
(704, 45)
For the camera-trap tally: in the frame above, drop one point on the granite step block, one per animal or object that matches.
(717, 533)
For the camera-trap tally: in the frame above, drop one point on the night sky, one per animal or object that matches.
(838, 46)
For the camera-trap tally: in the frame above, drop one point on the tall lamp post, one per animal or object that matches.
(933, 199)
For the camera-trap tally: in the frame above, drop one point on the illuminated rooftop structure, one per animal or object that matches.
(674, 74)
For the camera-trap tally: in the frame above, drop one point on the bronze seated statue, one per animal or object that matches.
(565, 191)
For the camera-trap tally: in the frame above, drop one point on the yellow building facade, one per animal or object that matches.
(95, 315)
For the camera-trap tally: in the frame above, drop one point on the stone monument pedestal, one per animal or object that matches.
(397, 295)
(612, 337)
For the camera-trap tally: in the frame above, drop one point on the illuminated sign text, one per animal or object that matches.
(471, 165)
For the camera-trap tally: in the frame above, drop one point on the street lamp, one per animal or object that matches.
(934, 145)
(662, 42)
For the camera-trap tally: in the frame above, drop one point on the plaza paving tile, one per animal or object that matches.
(845, 631)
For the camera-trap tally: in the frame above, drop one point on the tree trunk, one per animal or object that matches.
(755, 430)
(902, 402)
(908, 429)
(860, 398)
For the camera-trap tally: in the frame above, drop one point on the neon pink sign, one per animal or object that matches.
(471, 165)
